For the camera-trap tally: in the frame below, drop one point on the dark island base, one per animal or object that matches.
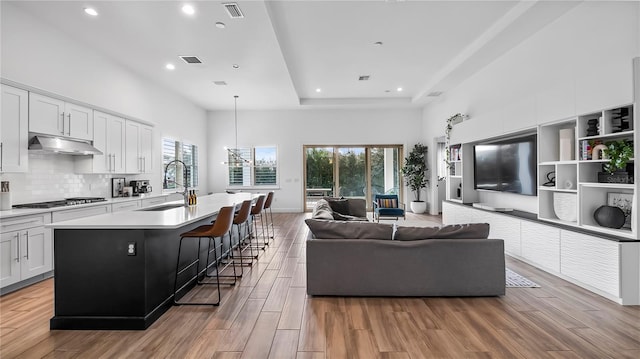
(99, 286)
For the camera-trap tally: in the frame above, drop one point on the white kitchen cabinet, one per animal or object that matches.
(14, 130)
(26, 248)
(139, 147)
(108, 137)
(55, 117)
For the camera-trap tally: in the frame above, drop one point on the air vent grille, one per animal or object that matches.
(233, 10)
(191, 59)
(434, 94)
(363, 78)
(220, 83)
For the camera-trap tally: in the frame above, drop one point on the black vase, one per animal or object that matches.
(609, 216)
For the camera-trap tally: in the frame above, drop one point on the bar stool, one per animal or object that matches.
(256, 211)
(242, 218)
(269, 217)
(219, 228)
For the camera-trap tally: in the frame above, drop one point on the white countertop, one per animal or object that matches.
(15, 212)
(168, 219)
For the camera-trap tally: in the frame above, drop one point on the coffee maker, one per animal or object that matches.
(140, 187)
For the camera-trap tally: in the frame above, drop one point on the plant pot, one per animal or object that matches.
(418, 207)
(615, 177)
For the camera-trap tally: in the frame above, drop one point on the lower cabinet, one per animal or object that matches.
(26, 248)
(603, 266)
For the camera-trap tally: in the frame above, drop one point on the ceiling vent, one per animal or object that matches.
(434, 94)
(233, 10)
(220, 83)
(363, 78)
(191, 59)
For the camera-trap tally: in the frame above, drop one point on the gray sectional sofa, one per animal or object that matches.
(361, 259)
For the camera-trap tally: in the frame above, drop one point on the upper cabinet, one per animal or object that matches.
(14, 130)
(59, 118)
(108, 137)
(139, 147)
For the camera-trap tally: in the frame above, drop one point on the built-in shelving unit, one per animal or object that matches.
(578, 175)
(460, 184)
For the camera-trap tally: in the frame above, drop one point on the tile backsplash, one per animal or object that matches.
(53, 177)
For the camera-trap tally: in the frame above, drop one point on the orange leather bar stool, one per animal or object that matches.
(242, 218)
(220, 228)
(256, 212)
(269, 216)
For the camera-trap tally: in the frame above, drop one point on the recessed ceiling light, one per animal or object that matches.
(378, 43)
(399, 89)
(188, 9)
(170, 66)
(91, 11)
(236, 66)
(318, 90)
(220, 25)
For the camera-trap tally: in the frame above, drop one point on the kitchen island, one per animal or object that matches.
(116, 270)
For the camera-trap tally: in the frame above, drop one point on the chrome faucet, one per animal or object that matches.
(185, 194)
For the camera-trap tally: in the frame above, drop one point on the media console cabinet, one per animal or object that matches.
(604, 264)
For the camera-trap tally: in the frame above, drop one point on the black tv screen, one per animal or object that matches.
(507, 166)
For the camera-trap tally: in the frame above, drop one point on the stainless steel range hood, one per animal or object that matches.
(50, 144)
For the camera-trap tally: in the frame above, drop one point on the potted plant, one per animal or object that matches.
(415, 175)
(619, 153)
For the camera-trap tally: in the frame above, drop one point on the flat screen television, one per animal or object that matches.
(507, 166)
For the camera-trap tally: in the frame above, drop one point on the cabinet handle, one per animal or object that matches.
(1, 156)
(114, 163)
(18, 247)
(69, 131)
(144, 164)
(63, 123)
(27, 235)
(139, 164)
(112, 158)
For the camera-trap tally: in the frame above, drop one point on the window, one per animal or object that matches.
(257, 166)
(185, 152)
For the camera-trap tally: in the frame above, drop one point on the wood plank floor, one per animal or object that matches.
(268, 315)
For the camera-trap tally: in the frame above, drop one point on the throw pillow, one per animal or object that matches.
(322, 210)
(343, 229)
(339, 205)
(462, 231)
(358, 207)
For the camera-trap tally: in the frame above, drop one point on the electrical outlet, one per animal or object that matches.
(131, 249)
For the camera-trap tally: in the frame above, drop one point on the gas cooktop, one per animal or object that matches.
(61, 203)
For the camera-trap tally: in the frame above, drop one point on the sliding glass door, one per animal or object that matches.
(351, 172)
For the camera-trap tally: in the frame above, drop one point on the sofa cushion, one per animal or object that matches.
(322, 210)
(462, 231)
(358, 207)
(346, 229)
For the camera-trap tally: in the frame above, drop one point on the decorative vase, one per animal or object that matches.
(418, 207)
(609, 216)
(566, 144)
(565, 206)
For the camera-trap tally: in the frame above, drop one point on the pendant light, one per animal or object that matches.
(233, 152)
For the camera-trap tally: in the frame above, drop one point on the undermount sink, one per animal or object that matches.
(164, 208)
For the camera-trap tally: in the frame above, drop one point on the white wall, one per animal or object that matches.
(39, 56)
(291, 129)
(579, 63)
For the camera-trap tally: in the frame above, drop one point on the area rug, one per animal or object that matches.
(515, 280)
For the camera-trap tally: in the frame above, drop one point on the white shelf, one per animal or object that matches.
(608, 135)
(455, 176)
(555, 220)
(548, 163)
(607, 185)
(456, 200)
(622, 232)
(553, 189)
(602, 161)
